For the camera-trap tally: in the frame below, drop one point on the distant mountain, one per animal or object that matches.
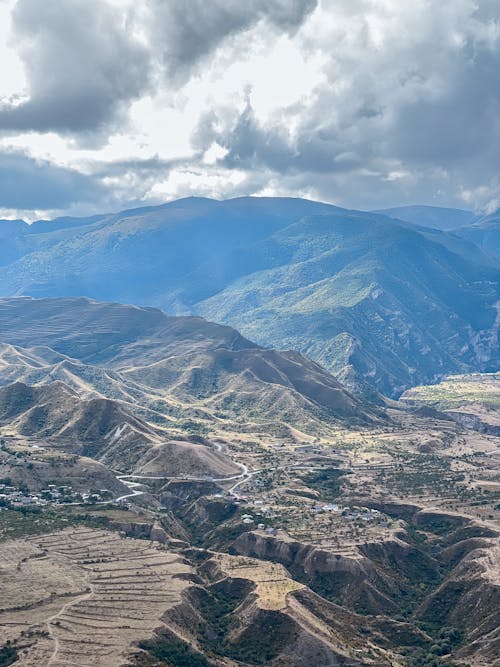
(481, 230)
(484, 233)
(431, 216)
(136, 255)
(174, 367)
(368, 298)
(12, 235)
(379, 302)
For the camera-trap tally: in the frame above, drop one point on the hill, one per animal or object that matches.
(431, 216)
(371, 298)
(53, 411)
(104, 431)
(472, 400)
(166, 369)
(485, 233)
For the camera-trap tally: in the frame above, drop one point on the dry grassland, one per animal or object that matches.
(85, 595)
(272, 582)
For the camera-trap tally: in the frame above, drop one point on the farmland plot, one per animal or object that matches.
(83, 597)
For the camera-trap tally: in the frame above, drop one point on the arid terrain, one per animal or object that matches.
(368, 535)
(249, 333)
(85, 595)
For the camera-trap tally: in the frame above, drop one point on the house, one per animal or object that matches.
(330, 508)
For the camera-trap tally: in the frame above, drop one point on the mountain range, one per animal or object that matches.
(380, 302)
(180, 373)
(485, 233)
(350, 533)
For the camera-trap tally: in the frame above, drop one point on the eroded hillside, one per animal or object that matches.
(173, 494)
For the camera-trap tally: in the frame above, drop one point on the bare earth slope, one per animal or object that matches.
(104, 430)
(185, 359)
(87, 594)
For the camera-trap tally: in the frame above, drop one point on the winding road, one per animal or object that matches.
(128, 479)
(243, 477)
(132, 486)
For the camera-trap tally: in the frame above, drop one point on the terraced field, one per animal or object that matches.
(92, 594)
(272, 581)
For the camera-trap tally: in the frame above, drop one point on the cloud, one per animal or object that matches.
(408, 107)
(365, 103)
(26, 184)
(186, 33)
(82, 66)
(251, 145)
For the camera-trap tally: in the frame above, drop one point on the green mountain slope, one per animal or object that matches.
(377, 301)
(367, 298)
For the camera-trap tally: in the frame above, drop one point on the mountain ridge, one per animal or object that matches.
(185, 365)
(369, 297)
(439, 217)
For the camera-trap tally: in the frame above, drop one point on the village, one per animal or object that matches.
(12, 497)
(327, 524)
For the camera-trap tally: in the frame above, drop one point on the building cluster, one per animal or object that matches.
(249, 519)
(365, 514)
(13, 497)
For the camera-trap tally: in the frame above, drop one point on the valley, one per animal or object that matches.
(368, 546)
(249, 333)
(362, 533)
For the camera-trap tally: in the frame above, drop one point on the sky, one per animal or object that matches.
(107, 104)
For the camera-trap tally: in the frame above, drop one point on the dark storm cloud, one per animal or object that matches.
(391, 102)
(318, 148)
(187, 33)
(31, 184)
(81, 64)
(460, 122)
(409, 109)
(141, 167)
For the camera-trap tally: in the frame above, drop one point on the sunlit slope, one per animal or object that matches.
(170, 366)
(374, 299)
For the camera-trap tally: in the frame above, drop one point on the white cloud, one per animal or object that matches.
(366, 103)
(12, 79)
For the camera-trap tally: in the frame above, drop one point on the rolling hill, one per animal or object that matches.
(104, 431)
(166, 369)
(377, 301)
(55, 412)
